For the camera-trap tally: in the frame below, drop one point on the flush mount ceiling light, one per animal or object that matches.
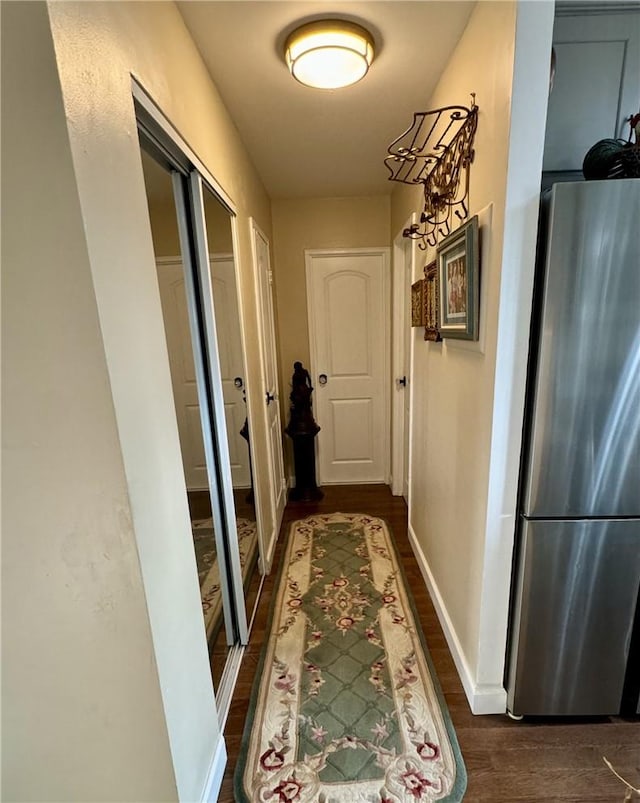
(329, 54)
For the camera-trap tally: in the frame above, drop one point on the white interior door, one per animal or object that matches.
(185, 389)
(225, 300)
(269, 362)
(174, 308)
(347, 294)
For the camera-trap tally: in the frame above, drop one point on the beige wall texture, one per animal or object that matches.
(82, 713)
(94, 435)
(456, 399)
(300, 224)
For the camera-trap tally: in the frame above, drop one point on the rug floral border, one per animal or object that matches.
(456, 793)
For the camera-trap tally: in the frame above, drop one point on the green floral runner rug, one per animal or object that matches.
(346, 708)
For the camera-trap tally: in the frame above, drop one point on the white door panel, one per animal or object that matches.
(348, 312)
(351, 421)
(347, 307)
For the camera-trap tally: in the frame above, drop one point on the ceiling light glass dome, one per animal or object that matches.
(329, 54)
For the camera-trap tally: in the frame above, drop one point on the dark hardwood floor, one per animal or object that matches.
(528, 761)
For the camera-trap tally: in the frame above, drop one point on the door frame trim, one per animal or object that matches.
(277, 492)
(385, 253)
(400, 359)
(170, 147)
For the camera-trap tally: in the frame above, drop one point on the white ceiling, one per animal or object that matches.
(311, 143)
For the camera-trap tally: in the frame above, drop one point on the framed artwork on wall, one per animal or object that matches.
(431, 302)
(417, 303)
(459, 279)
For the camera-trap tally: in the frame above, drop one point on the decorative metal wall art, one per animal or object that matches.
(436, 151)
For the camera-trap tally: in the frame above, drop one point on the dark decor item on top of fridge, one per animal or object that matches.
(615, 158)
(577, 570)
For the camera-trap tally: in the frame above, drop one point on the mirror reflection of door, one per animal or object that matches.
(176, 315)
(225, 301)
(233, 371)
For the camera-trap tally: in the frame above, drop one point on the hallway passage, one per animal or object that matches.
(528, 762)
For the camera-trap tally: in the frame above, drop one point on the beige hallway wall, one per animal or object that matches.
(453, 380)
(82, 711)
(467, 397)
(99, 721)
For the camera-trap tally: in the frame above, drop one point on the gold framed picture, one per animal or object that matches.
(431, 303)
(417, 303)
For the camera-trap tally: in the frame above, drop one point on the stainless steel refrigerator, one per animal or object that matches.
(574, 625)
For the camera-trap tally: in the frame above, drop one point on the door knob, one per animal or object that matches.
(238, 382)
(322, 379)
(402, 381)
(270, 397)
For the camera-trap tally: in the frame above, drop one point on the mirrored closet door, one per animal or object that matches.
(193, 237)
(226, 300)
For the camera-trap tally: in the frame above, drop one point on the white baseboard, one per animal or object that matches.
(216, 773)
(271, 546)
(280, 516)
(489, 699)
(381, 481)
(483, 699)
